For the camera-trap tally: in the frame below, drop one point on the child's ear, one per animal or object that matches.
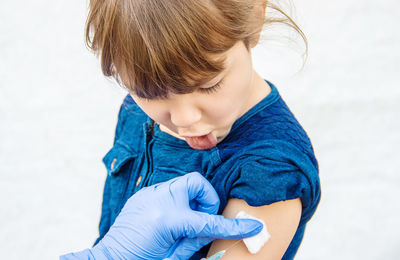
(259, 11)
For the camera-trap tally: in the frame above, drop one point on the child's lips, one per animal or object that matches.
(203, 142)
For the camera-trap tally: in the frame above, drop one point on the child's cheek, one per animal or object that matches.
(222, 113)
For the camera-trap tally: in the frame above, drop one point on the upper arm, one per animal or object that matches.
(282, 219)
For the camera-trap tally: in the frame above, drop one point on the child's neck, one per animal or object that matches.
(260, 90)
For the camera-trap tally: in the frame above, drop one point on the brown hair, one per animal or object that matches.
(164, 46)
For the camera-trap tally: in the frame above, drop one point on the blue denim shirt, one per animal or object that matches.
(267, 157)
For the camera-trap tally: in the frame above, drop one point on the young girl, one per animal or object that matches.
(195, 103)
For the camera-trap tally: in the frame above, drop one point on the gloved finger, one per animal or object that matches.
(216, 226)
(188, 246)
(200, 192)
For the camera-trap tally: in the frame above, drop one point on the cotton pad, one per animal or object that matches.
(255, 243)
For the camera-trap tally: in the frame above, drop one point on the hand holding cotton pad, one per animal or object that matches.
(255, 243)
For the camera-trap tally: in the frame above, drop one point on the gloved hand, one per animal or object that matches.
(170, 220)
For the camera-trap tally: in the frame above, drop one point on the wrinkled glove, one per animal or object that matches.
(170, 220)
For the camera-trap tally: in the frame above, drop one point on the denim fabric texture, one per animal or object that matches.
(267, 157)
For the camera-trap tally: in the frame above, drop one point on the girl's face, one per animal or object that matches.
(214, 110)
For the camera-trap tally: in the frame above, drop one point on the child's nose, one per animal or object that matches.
(185, 116)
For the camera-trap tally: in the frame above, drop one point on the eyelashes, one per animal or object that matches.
(213, 89)
(210, 90)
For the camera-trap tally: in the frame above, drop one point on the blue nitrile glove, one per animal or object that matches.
(168, 220)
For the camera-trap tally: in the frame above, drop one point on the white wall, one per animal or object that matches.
(58, 116)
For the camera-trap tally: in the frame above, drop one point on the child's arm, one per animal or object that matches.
(282, 219)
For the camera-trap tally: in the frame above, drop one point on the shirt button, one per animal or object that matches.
(138, 181)
(112, 163)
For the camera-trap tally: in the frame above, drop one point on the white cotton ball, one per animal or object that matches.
(255, 243)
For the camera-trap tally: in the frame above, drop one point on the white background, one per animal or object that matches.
(58, 115)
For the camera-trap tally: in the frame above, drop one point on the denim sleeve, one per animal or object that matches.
(278, 175)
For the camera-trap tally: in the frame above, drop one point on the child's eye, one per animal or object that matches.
(211, 89)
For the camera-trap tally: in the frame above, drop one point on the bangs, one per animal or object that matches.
(167, 77)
